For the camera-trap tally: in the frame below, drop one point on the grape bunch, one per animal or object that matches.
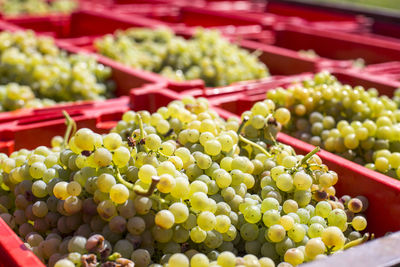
(178, 187)
(354, 123)
(14, 96)
(37, 7)
(34, 72)
(207, 55)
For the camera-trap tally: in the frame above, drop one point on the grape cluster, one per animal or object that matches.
(37, 7)
(180, 187)
(355, 123)
(34, 70)
(207, 55)
(14, 96)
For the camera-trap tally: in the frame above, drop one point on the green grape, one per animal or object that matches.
(314, 247)
(222, 224)
(226, 259)
(178, 260)
(276, 233)
(119, 193)
(333, 237)
(252, 214)
(180, 212)
(212, 147)
(198, 235)
(315, 230)
(165, 219)
(39, 189)
(249, 232)
(359, 223)
(146, 172)
(297, 232)
(271, 217)
(206, 220)
(290, 206)
(323, 209)
(166, 183)
(294, 256)
(199, 260)
(284, 182)
(105, 182)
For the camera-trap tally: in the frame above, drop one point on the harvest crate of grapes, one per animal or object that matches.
(253, 55)
(105, 79)
(319, 19)
(237, 103)
(337, 45)
(161, 178)
(228, 105)
(352, 181)
(269, 19)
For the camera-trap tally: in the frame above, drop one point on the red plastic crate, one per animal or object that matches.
(88, 21)
(49, 25)
(323, 19)
(13, 251)
(337, 45)
(161, 11)
(389, 70)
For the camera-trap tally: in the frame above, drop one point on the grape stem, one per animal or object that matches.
(247, 141)
(329, 250)
(308, 156)
(141, 137)
(123, 181)
(71, 126)
(357, 242)
(149, 192)
(245, 119)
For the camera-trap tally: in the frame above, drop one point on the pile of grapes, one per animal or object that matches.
(37, 7)
(178, 187)
(34, 72)
(207, 55)
(354, 123)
